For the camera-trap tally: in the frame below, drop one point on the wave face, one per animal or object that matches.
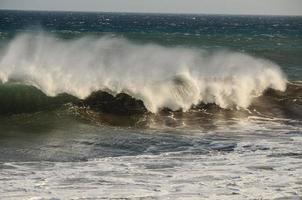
(162, 77)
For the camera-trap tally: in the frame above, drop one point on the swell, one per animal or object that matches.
(17, 98)
(281, 104)
(144, 76)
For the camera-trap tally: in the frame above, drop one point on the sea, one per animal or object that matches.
(98, 105)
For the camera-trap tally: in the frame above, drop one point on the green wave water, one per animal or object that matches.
(221, 99)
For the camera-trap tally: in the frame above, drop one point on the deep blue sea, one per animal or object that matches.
(277, 38)
(150, 106)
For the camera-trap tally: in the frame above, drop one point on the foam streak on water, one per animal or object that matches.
(68, 148)
(266, 165)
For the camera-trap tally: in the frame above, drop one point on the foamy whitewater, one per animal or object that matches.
(150, 106)
(163, 77)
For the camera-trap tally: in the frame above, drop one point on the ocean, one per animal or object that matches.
(150, 106)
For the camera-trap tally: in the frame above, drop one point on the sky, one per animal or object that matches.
(266, 7)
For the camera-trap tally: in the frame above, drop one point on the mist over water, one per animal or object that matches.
(171, 77)
(232, 86)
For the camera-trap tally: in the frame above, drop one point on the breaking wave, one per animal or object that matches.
(162, 77)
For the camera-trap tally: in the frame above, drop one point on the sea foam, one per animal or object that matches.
(171, 77)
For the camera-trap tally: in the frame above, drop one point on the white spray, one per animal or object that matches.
(160, 76)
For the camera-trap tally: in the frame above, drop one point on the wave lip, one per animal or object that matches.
(162, 77)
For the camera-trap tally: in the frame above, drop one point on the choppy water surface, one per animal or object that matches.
(222, 106)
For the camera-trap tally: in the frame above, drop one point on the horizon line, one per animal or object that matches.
(150, 12)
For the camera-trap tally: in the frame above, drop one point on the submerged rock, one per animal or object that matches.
(120, 104)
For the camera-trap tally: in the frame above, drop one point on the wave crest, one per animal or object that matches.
(170, 77)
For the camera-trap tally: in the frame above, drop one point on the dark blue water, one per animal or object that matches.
(54, 148)
(278, 39)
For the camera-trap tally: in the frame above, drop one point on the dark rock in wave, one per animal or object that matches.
(122, 103)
